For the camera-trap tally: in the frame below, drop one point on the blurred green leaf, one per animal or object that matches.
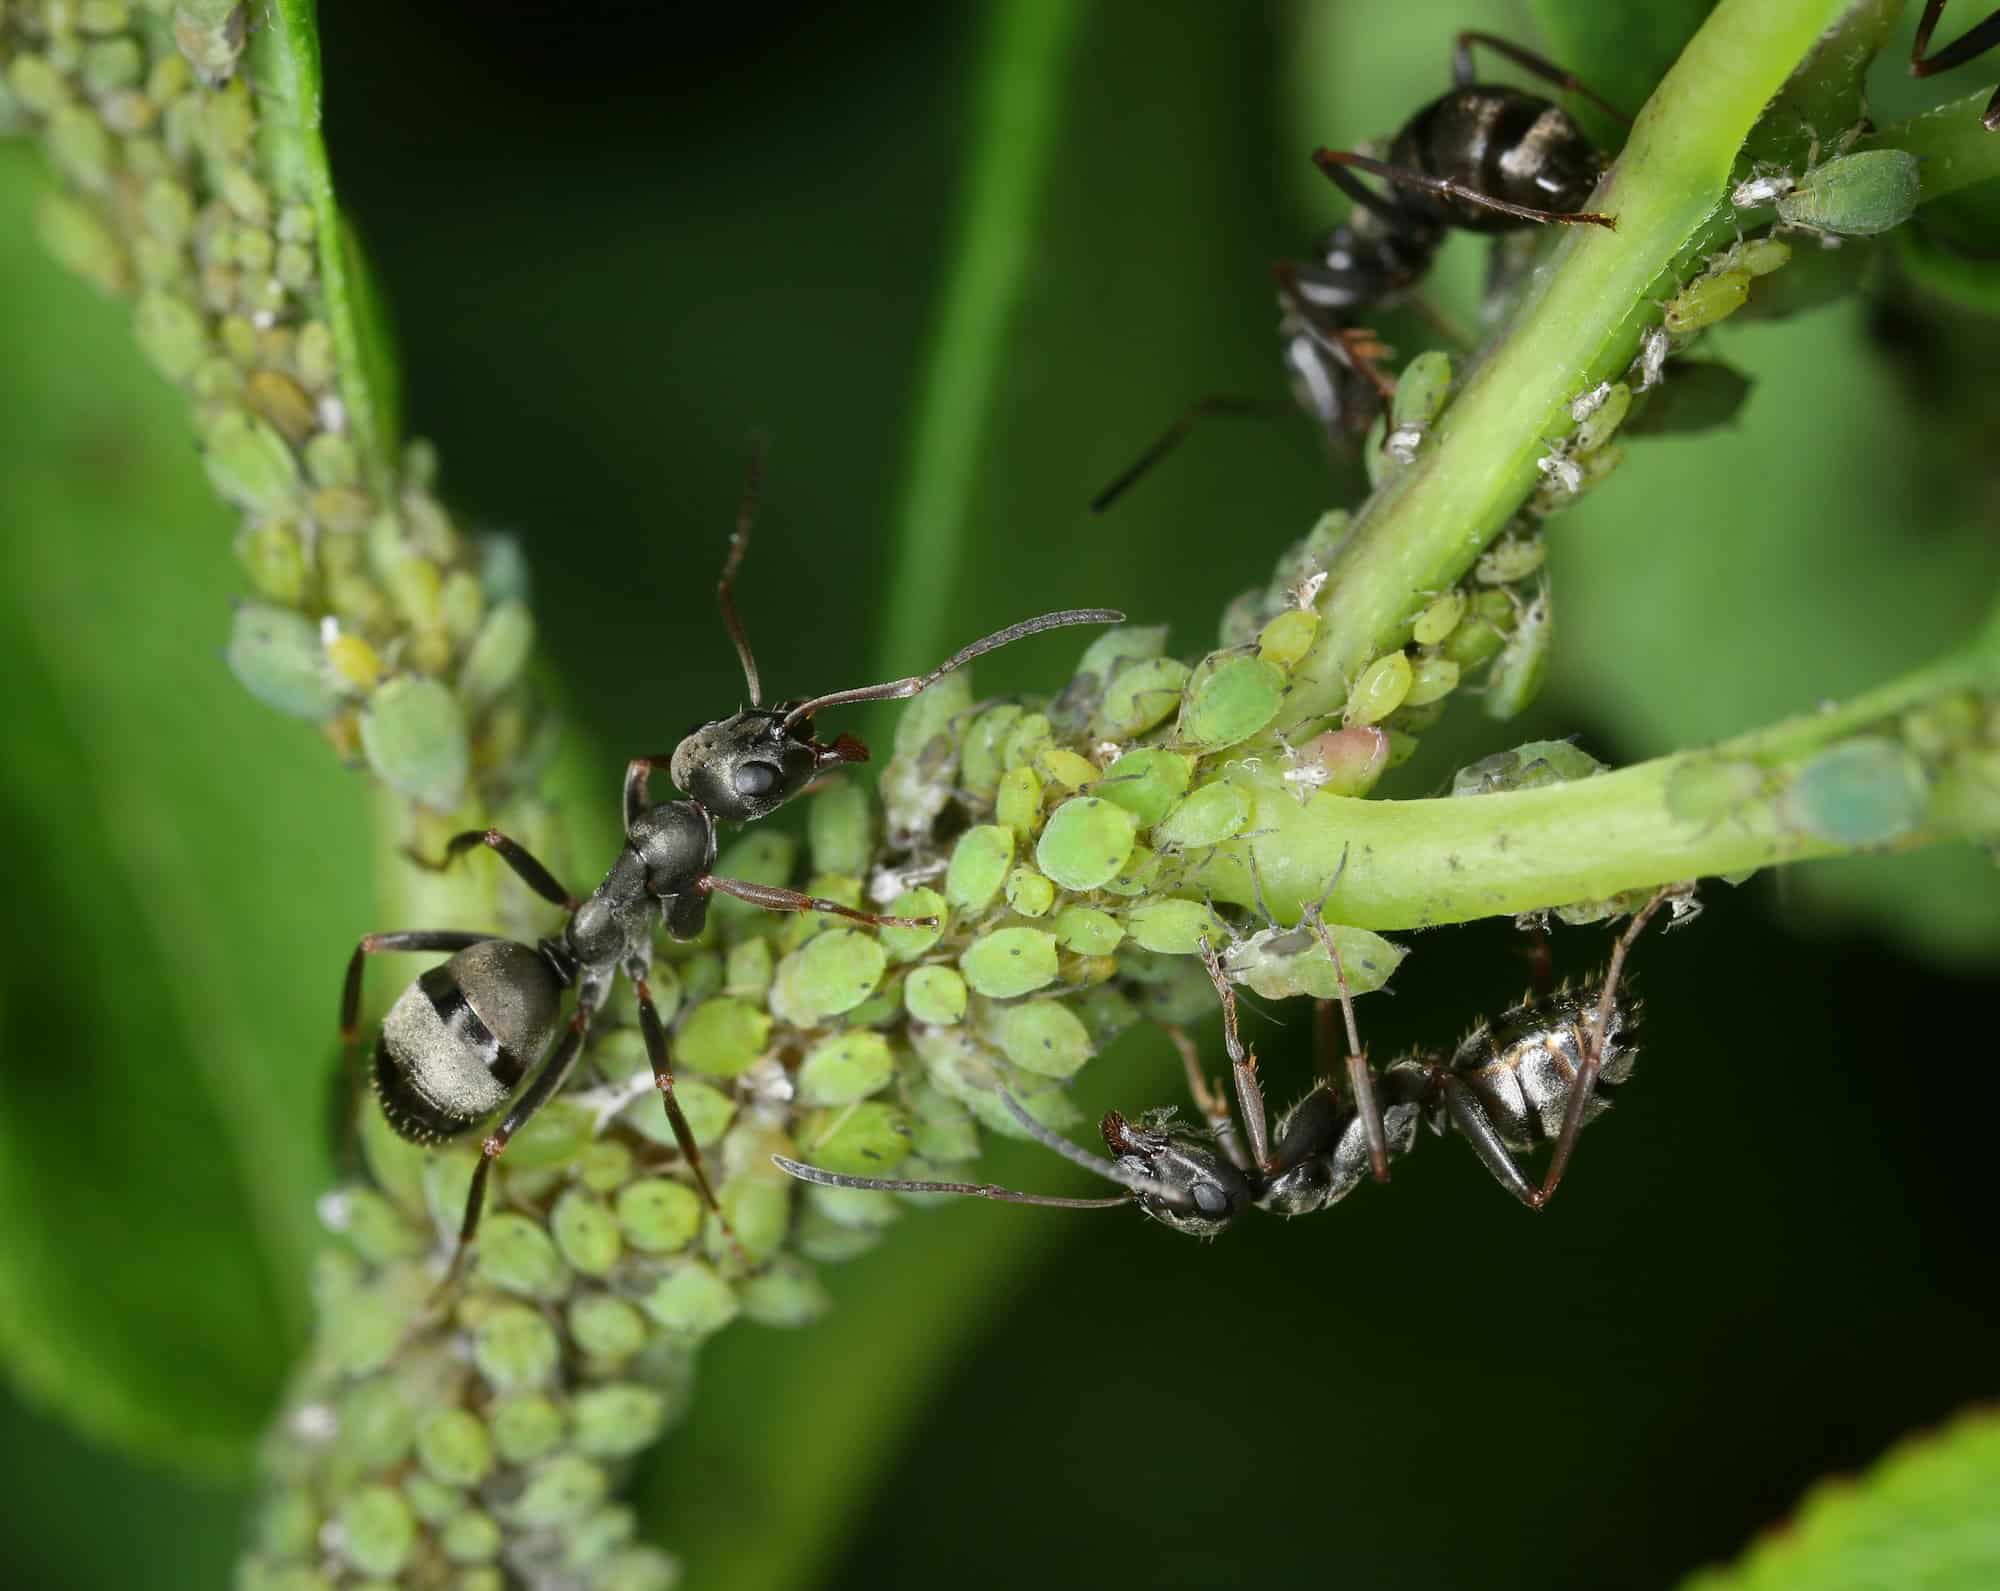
(1923, 1519)
(170, 979)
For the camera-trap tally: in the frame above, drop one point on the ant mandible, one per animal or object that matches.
(1538, 1072)
(460, 1040)
(1485, 157)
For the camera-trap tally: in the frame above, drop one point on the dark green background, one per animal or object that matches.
(617, 246)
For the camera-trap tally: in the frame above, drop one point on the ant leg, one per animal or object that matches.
(1243, 1063)
(725, 587)
(1355, 346)
(1174, 435)
(531, 872)
(1593, 1048)
(663, 1078)
(542, 1087)
(1360, 1079)
(375, 944)
(1477, 1129)
(1330, 161)
(1541, 963)
(1973, 42)
(773, 898)
(638, 782)
(1210, 1103)
(1527, 60)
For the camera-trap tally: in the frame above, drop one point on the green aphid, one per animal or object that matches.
(1940, 727)
(527, 1428)
(882, 1009)
(1421, 390)
(276, 397)
(866, 1139)
(331, 460)
(1515, 679)
(763, 856)
(906, 944)
(595, 1539)
(35, 83)
(559, 1491)
(1379, 691)
(979, 864)
(1026, 739)
(1041, 1036)
(980, 766)
(1009, 962)
(413, 731)
(828, 975)
(936, 995)
(1029, 893)
(1173, 927)
(288, 1523)
(1603, 416)
(586, 1233)
(1866, 791)
(516, 1256)
(922, 769)
(313, 355)
(110, 65)
(1856, 195)
(606, 1327)
(1066, 769)
(618, 1420)
(1431, 680)
(1145, 782)
(1282, 963)
(1086, 842)
(1527, 767)
(1230, 701)
(210, 35)
(553, 1136)
(639, 1568)
(722, 1036)
(1711, 297)
(748, 968)
(606, 1165)
(454, 1447)
(249, 464)
(840, 829)
(1439, 619)
(941, 1129)
(430, 1500)
(1138, 698)
(1509, 559)
(845, 1068)
(691, 1300)
(1216, 812)
(1479, 638)
(377, 1422)
(658, 1215)
(515, 1347)
(81, 148)
(171, 332)
(498, 654)
(470, 1536)
(1139, 874)
(1018, 802)
(277, 656)
(785, 1294)
(1287, 638)
(1174, 990)
(377, 1531)
(1762, 256)
(1088, 931)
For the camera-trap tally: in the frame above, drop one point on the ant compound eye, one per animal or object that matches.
(753, 779)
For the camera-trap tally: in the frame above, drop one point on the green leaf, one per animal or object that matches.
(175, 857)
(1621, 51)
(1923, 1519)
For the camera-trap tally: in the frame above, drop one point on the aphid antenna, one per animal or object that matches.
(739, 542)
(916, 684)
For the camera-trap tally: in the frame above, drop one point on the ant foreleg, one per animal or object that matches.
(1243, 1063)
(1974, 42)
(1331, 162)
(531, 872)
(1211, 1104)
(1527, 60)
(1360, 1077)
(775, 898)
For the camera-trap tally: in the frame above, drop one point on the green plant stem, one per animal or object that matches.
(1580, 324)
(1414, 864)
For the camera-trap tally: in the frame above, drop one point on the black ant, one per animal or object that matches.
(1974, 42)
(1485, 157)
(460, 1040)
(1537, 1072)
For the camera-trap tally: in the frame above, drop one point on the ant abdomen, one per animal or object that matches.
(1522, 1065)
(1502, 143)
(459, 1040)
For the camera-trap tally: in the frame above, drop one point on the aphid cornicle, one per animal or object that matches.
(460, 1041)
(1533, 1076)
(1484, 157)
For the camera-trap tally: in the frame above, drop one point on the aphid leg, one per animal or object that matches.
(542, 1087)
(1975, 41)
(1213, 1105)
(1593, 1048)
(1527, 60)
(1242, 1062)
(725, 587)
(663, 1078)
(517, 856)
(1333, 161)
(1360, 1078)
(774, 898)
(1174, 435)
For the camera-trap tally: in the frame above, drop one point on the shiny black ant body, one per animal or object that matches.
(1537, 1073)
(460, 1040)
(1971, 44)
(1485, 157)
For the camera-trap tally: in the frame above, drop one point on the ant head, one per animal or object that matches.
(1194, 1189)
(747, 766)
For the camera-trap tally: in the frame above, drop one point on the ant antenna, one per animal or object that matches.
(916, 684)
(1177, 433)
(978, 1190)
(1110, 1170)
(739, 542)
